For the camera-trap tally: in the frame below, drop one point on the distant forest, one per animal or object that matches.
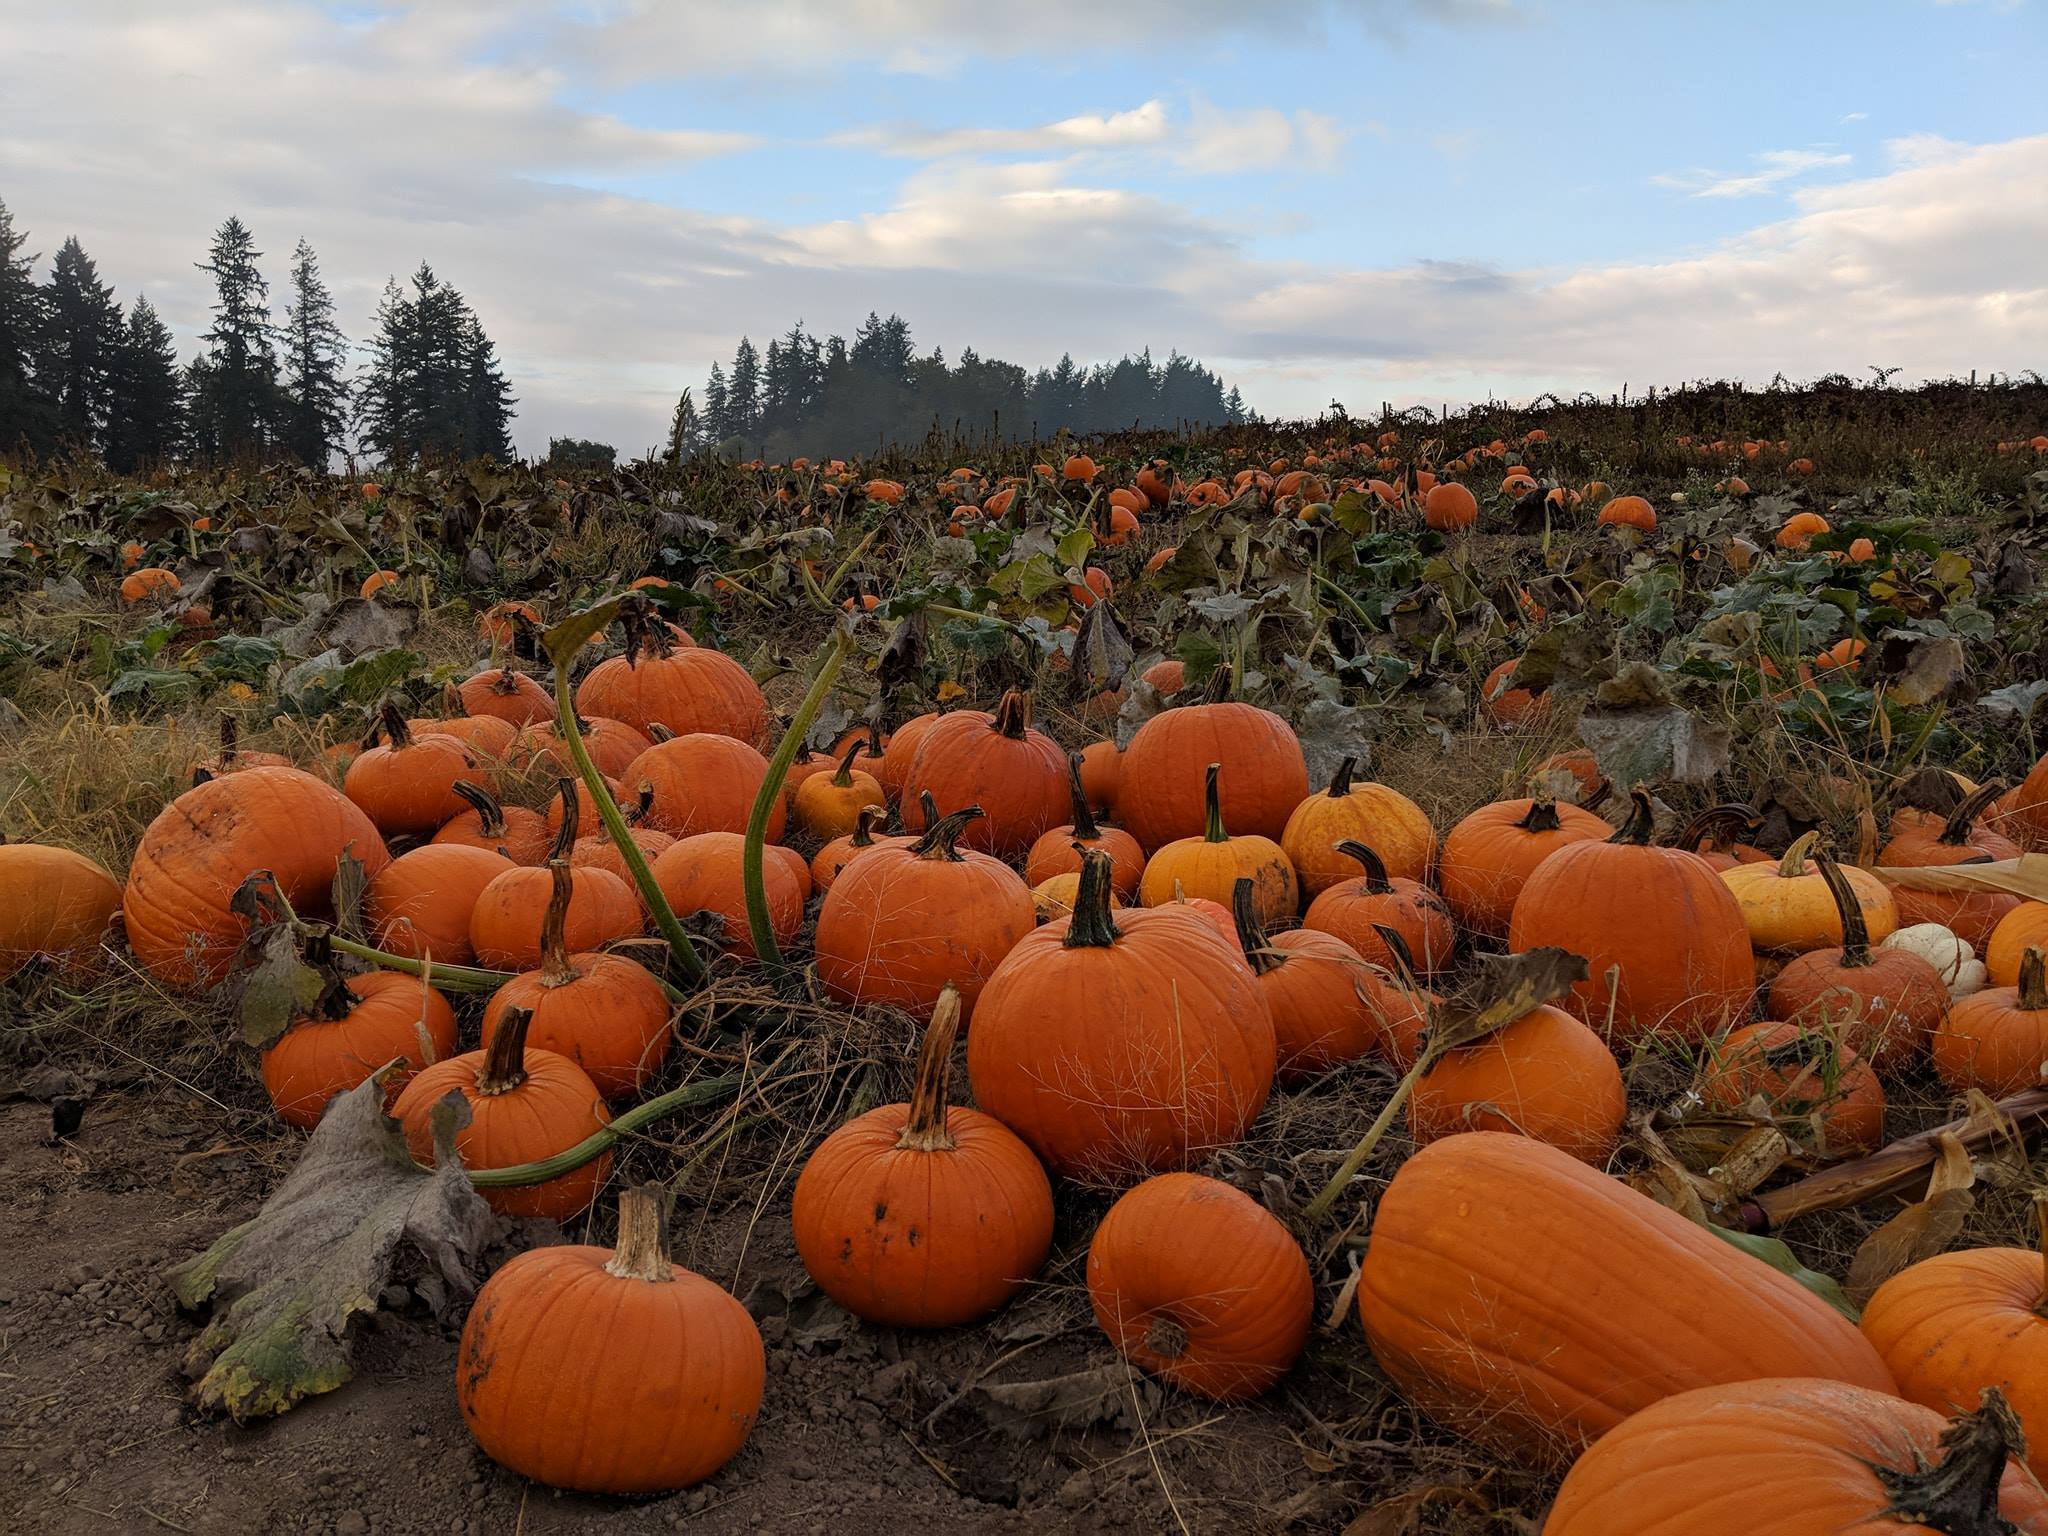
(818, 396)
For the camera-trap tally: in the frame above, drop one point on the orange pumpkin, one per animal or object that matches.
(355, 1028)
(1449, 507)
(684, 689)
(1545, 1076)
(1997, 1040)
(506, 924)
(407, 785)
(152, 583)
(519, 834)
(420, 903)
(1920, 840)
(705, 872)
(508, 694)
(54, 903)
(1328, 1005)
(1800, 529)
(1806, 1077)
(1016, 774)
(829, 860)
(1058, 852)
(1209, 866)
(1161, 792)
(1489, 856)
(1393, 824)
(1507, 706)
(828, 805)
(1629, 512)
(1355, 910)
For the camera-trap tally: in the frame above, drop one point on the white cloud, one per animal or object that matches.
(1222, 140)
(1854, 117)
(1775, 167)
(1141, 125)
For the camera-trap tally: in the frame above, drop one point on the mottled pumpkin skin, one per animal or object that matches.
(1791, 1457)
(1488, 857)
(610, 1018)
(1524, 1300)
(1954, 1324)
(1226, 1277)
(1850, 1112)
(1545, 1076)
(702, 782)
(1019, 781)
(689, 689)
(1384, 819)
(1160, 783)
(315, 1059)
(1125, 1059)
(505, 923)
(420, 903)
(553, 1109)
(922, 1239)
(201, 847)
(52, 902)
(1194, 866)
(603, 1383)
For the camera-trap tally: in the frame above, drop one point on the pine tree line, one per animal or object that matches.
(78, 375)
(812, 396)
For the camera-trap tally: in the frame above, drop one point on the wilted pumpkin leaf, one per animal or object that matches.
(1653, 744)
(1507, 988)
(1922, 668)
(1923, 1228)
(2025, 876)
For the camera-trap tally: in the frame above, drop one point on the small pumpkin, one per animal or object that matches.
(1921, 841)
(1629, 512)
(53, 902)
(519, 834)
(508, 694)
(1449, 507)
(892, 769)
(706, 872)
(1328, 1005)
(829, 860)
(505, 924)
(1506, 704)
(1804, 1078)
(1997, 1040)
(1545, 1076)
(1388, 820)
(704, 781)
(1789, 908)
(828, 805)
(1488, 857)
(1209, 866)
(419, 904)
(1016, 774)
(407, 785)
(1356, 909)
(1058, 852)
(356, 1027)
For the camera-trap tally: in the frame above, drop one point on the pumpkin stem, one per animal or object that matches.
(490, 816)
(506, 683)
(928, 808)
(1642, 820)
(1955, 833)
(230, 736)
(865, 820)
(1219, 686)
(1793, 865)
(572, 813)
(1541, 817)
(2033, 991)
(1091, 926)
(937, 843)
(643, 803)
(641, 1252)
(1166, 1337)
(504, 1067)
(1376, 881)
(843, 779)
(1855, 931)
(1404, 957)
(1212, 806)
(1013, 715)
(1958, 1494)
(335, 999)
(391, 720)
(658, 733)
(925, 1130)
(555, 969)
(1340, 781)
(452, 707)
(1085, 825)
(2041, 1240)
(1250, 936)
(1715, 823)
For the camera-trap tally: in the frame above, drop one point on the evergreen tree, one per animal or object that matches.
(743, 391)
(149, 394)
(433, 388)
(316, 395)
(487, 395)
(684, 430)
(26, 416)
(241, 374)
(80, 343)
(380, 396)
(717, 405)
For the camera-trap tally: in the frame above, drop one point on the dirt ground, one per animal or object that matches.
(1029, 1423)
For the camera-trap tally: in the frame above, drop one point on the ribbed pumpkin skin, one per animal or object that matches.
(317, 1058)
(1989, 1041)
(420, 903)
(1662, 916)
(1487, 859)
(704, 873)
(1055, 854)
(52, 902)
(914, 1239)
(688, 690)
(1385, 819)
(1851, 1115)
(1525, 1300)
(408, 790)
(702, 783)
(1957, 1323)
(896, 927)
(553, 1109)
(1127, 1059)
(2026, 925)
(581, 1379)
(893, 767)
(1226, 1277)
(505, 923)
(1797, 914)
(508, 695)
(521, 835)
(489, 736)
(1545, 1076)
(1886, 1010)
(600, 852)
(1159, 785)
(612, 745)
(1324, 1002)
(1193, 866)
(204, 844)
(1352, 910)
(1788, 1457)
(1019, 782)
(611, 1019)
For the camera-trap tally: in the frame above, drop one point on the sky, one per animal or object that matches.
(1413, 201)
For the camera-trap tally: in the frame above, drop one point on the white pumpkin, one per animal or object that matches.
(1961, 971)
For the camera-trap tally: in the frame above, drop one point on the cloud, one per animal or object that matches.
(1141, 125)
(1775, 167)
(1854, 117)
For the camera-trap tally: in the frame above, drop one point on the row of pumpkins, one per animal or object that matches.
(1512, 1290)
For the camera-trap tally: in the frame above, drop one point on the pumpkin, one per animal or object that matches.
(1488, 857)
(1121, 1045)
(1449, 507)
(420, 903)
(705, 872)
(356, 1027)
(919, 1215)
(612, 745)
(1807, 1077)
(1628, 512)
(1161, 794)
(604, 1012)
(1662, 935)
(499, 625)
(829, 804)
(892, 768)
(1017, 775)
(53, 902)
(1885, 1001)
(508, 694)
(1790, 909)
(704, 782)
(2017, 932)
(1954, 961)
(1356, 909)
(1545, 1076)
(614, 1372)
(1521, 1298)
(524, 1106)
(1101, 775)
(491, 737)
(519, 834)
(1507, 706)
(200, 848)
(1366, 813)
(1328, 1006)
(1997, 1040)
(151, 583)
(407, 785)
(1209, 866)
(1058, 852)
(1920, 840)
(1166, 677)
(1796, 1457)
(1954, 1324)
(685, 688)
(1800, 529)
(600, 852)
(2025, 816)
(1573, 775)
(909, 917)
(233, 758)
(505, 925)
(1198, 1283)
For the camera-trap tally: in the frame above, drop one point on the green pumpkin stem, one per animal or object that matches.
(490, 816)
(641, 1252)
(2033, 988)
(1642, 820)
(1958, 1495)
(1376, 881)
(504, 1067)
(1085, 826)
(1855, 931)
(843, 778)
(938, 841)
(1212, 807)
(1540, 817)
(1092, 926)
(1013, 715)
(1251, 937)
(925, 1129)
(1955, 833)
(572, 816)
(555, 967)
(1340, 781)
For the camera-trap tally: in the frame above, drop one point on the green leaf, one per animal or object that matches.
(1771, 1251)
(566, 638)
(1073, 550)
(148, 685)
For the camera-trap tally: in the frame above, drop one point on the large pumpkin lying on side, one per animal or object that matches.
(1522, 1299)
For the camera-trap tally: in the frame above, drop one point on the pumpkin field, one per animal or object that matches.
(1464, 972)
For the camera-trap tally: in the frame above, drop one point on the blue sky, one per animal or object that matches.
(1359, 199)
